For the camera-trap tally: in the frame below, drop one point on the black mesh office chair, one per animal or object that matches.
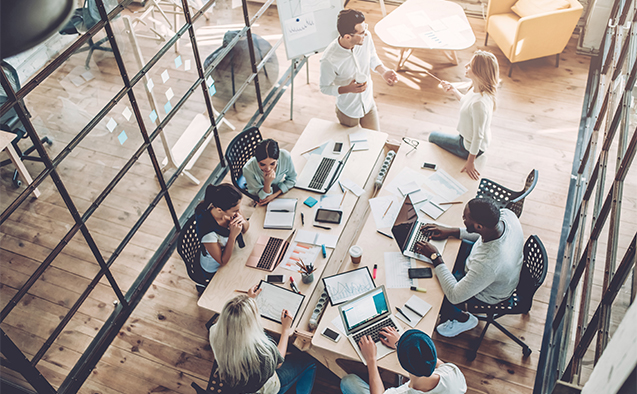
(11, 122)
(189, 248)
(508, 198)
(532, 276)
(82, 20)
(239, 151)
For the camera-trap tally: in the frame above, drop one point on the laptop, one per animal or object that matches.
(367, 314)
(268, 252)
(406, 231)
(320, 173)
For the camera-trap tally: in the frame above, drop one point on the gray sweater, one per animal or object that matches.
(492, 269)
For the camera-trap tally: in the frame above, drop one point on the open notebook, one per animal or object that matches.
(280, 214)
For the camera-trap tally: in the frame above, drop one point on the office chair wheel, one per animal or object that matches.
(526, 351)
(47, 140)
(17, 183)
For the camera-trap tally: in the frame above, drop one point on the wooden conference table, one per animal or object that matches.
(236, 276)
(426, 24)
(374, 245)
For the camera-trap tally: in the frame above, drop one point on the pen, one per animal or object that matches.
(293, 286)
(403, 313)
(387, 235)
(450, 202)
(310, 150)
(342, 199)
(413, 310)
(323, 227)
(341, 186)
(420, 289)
(302, 219)
(389, 206)
(241, 291)
(324, 251)
(374, 275)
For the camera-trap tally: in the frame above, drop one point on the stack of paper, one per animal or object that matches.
(359, 140)
(280, 214)
(415, 309)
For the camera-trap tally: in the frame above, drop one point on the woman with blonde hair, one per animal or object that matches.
(476, 111)
(249, 361)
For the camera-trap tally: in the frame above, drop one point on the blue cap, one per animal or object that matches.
(417, 353)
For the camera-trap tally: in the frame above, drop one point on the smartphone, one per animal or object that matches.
(328, 216)
(331, 334)
(274, 278)
(338, 146)
(431, 166)
(420, 273)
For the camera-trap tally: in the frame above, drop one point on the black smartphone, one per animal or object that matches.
(338, 146)
(331, 334)
(274, 278)
(431, 166)
(328, 216)
(420, 273)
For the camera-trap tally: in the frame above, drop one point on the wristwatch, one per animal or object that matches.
(434, 256)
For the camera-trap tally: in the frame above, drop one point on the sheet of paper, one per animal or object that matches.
(352, 186)
(300, 26)
(396, 274)
(298, 252)
(348, 285)
(405, 175)
(338, 323)
(314, 5)
(417, 304)
(420, 196)
(418, 18)
(273, 299)
(127, 113)
(111, 125)
(408, 188)
(401, 33)
(359, 140)
(451, 38)
(432, 210)
(437, 25)
(315, 238)
(326, 149)
(77, 81)
(330, 201)
(445, 185)
(432, 40)
(88, 76)
(455, 23)
(385, 209)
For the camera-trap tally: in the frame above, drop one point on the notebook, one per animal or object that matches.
(273, 299)
(280, 214)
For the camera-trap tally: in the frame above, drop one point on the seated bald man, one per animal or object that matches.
(487, 269)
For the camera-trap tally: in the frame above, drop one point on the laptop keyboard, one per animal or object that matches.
(269, 253)
(321, 173)
(420, 236)
(374, 331)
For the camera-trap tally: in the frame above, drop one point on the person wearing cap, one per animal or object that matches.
(345, 71)
(417, 355)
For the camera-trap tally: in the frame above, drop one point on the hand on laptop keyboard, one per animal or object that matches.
(368, 348)
(389, 336)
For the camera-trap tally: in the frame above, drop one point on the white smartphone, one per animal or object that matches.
(331, 334)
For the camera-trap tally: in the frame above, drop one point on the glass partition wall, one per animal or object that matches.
(136, 129)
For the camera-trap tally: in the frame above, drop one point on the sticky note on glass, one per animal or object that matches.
(168, 107)
(169, 93)
(111, 125)
(187, 65)
(127, 113)
(122, 137)
(150, 84)
(178, 61)
(153, 116)
(212, 89)
(164, 76)
(209, 81)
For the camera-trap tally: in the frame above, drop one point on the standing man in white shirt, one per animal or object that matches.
(345, 71)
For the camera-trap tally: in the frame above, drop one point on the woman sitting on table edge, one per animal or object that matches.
(476, 111)
(270, 172)
(249, 361)
(219, 224)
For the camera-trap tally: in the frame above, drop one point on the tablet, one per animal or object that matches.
(272, 300)
(348, 285)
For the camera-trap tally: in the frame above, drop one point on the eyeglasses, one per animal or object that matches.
(412, 143)
(364, 25)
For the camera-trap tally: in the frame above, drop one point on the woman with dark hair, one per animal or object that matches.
(219, 223)
(270, 172)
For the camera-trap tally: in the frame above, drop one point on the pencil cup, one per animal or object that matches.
(356, 253)
(307, 278)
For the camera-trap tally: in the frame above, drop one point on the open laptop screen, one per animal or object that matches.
(365, 308)
(406, 219)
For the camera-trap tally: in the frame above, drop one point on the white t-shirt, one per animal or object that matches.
(207, 262)
(451, 382)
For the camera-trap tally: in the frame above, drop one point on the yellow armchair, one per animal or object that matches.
(533, 36)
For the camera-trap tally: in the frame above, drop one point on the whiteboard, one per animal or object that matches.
(308, 26)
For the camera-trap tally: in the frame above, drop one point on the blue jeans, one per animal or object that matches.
(299, 368)
(353, 384)
(449, 311)
(453, 143)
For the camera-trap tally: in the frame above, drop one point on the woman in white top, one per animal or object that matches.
(476, 111)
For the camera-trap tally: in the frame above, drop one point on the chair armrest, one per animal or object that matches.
(499, 7)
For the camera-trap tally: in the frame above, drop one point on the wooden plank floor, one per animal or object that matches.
(164, 346)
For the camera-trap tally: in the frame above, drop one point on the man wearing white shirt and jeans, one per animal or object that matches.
(345, 71)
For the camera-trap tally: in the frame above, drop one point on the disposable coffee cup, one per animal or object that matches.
(356, 253)
(360, 77)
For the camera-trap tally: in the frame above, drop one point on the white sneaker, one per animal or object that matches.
(451, 328)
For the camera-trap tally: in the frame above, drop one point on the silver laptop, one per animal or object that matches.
(367, 314)
(320, 173)
(406, 231)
